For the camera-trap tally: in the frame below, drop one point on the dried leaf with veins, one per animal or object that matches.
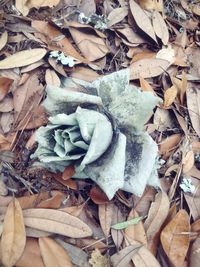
(56, 221)
(160, 27)
(13, 238)
(22, 58)
(135, 232)
(53, 254)
(142, 20)
(143, 257)
(174, 238)
(157, 214)
(105, 217)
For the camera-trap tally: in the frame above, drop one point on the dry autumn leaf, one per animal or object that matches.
(52, 78)
(188, 161)
(160, 27)
(5, 84)
(13, 238)
(135, 232)
(3, 40)
(152, 4)
(147, 68)
(170, 95)
(142, 20)
(22, 58)
(105, 217)
(175, 238)
(117, 15)
(157, 214)
(143, 257)
(56, 221)
(31, 256)
(53, 254)
(195, 253)
(145, 85)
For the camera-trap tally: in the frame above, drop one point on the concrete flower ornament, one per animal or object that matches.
(99, 130)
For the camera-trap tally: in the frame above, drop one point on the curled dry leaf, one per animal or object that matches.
(5, 84)
(3, 40)
(31, 256)
(105, 217)
(142, 20)
(157, 214)
(53, 254)
(13, 238)
(174, 239)
(147, 68)
(56, 221)
(22, 58)
(135, 232)
(170, 95)
(160, 27)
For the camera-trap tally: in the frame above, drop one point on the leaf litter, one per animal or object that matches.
(87, 49)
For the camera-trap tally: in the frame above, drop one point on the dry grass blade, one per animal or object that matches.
(53, 254)
(13, 238)
(22, 58)
(57, 222)
(174, 239)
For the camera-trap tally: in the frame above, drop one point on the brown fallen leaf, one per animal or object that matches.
(53, 254)
(193, 104)
(52, 78)
(98, 196)
(145, 85)
(170, 143)
(174, 238)
(56, 221)
(124, 256)
(85, 74)
(148, 68)
(143, 257)
(68, 172)
(42, 3)
(194, 257)
(22, 58)
(13, 238)
(105, 217)
(5, 84)
(117, 235)
(3, 40)
(135, 232)
(157, 214)
(170, 95)
(188, 161)
(31, 256)
(51, 34)
(142, 20)
(160, 27)
(91, 46)
(152, 4)
(117, 15)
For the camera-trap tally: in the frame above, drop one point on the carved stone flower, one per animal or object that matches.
(100, 131)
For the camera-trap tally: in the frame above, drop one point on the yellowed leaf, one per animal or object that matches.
(157, 214)
(142, 20)
(42, 3)
(3, 40)
(13, 238)
(52, 78)
(148, 68)
(174, 238)
(97, 259)
(196, 9)
(135, 232)
(21, 6)
(56, 221)
(152, 4)
(22, 58)
(170, 95)
(188, 161)
(53, 254)
(160, 27)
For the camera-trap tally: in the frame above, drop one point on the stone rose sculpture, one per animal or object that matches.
(99, 130)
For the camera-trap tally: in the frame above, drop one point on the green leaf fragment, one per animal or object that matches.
(123, 225)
